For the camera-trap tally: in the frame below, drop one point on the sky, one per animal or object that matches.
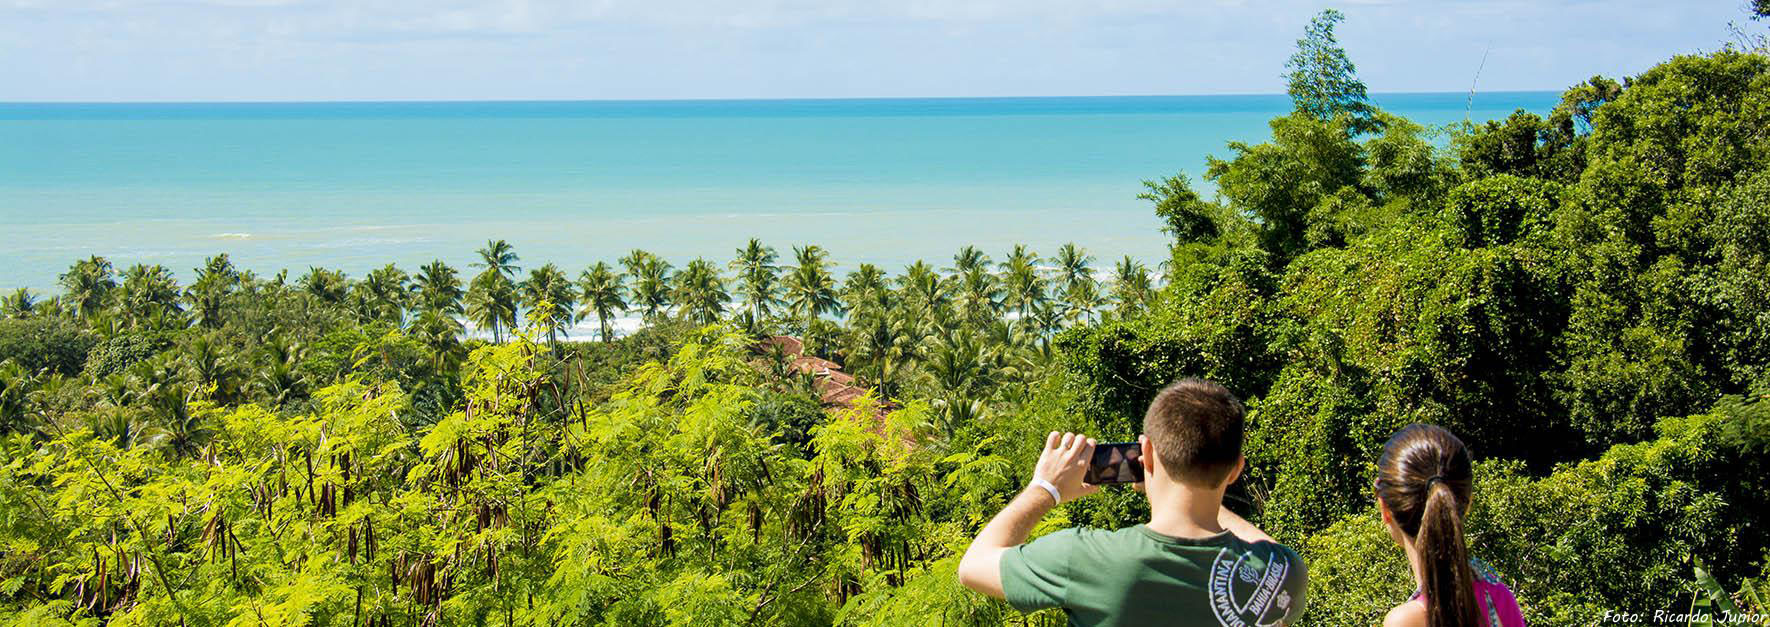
(251, 50)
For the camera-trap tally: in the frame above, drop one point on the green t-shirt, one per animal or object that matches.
(1135, 576)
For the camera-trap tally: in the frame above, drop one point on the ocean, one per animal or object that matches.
(357, 185)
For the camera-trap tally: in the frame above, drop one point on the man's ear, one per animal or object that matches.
(1241, 463)
(1148, 450)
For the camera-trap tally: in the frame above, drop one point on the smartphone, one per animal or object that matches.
(1115, 462)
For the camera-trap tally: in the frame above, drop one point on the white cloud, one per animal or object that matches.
(228, 49)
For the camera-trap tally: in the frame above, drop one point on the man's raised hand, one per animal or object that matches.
(1064, 462)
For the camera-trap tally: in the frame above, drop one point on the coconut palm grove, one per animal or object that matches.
(1584, 297)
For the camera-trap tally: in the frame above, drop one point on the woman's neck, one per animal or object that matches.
(1413, 563)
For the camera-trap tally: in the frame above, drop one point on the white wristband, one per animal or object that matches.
(1056, 497)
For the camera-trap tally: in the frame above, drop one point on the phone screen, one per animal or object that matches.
(1116, 462)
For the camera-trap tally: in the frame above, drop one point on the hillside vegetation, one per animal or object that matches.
(1584, 297)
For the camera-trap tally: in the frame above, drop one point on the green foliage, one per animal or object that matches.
(118, 353)
(1322, 81)
(1187, 218)
(1356, 572)
(1524, 145)
(1500, 210)
(1219, 325)
(45, 344)
(1308, 161)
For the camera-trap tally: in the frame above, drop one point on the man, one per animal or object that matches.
(1193, 563)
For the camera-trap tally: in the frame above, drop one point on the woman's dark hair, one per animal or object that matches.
(1424, 477)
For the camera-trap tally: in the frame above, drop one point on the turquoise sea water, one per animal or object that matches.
(357, 185)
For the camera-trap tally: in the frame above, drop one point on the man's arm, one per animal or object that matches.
(1240, 526)
(981, 568)
(1063, 463)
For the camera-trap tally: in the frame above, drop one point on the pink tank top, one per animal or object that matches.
(1498, 608)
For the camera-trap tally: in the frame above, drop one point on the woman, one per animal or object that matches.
(1423, 486)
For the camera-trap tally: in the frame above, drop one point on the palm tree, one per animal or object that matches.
(500, 257)
(15, 382)
(440, 333)
(116, 389)
(1080, 291)
(180, 432)
(329, 286)
(651, 285)
(968, 259)
(811, 291)
(491, 303)
(635, 261)
(209, 294)
(439, 288)
(492, 297)
(980, 294)
(208, 304)
(279, 381)
(758, 278)
(882, 341)
(120, 428)
(550, 299)
(863, 289)
(87, 286)
(1130, 285)
(1024, 288)
(383, 295)
(602, 290)
(701, 292)
(207, 363)
(953, 366)
(1012, 347)
(1043, 320)
(1073, 265)
(925, 290)
(149, 295)
(48, 307)
(219, 268)
(18, 305)
(1082, 300)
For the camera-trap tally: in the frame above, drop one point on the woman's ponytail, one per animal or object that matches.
(1447, 580)
(1424, 478)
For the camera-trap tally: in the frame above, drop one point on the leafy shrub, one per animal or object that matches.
(45, 343)
(1500, 210)
(1356, 573)
(789, 416)
(118, 353)
(1429, 332)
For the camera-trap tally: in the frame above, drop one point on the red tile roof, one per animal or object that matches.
(835, 388)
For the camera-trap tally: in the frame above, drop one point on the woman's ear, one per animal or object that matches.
(1389, 523)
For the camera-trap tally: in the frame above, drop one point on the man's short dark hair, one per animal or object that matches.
(1196, 426)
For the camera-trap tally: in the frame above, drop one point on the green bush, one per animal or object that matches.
(48, 344)
(1500, 210)
(118, 353)
(1356, 573)
(1426, 331)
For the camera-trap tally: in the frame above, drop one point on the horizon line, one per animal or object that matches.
(1373, 95)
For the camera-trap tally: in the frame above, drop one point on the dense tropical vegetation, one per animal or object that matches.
(1585, 296)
